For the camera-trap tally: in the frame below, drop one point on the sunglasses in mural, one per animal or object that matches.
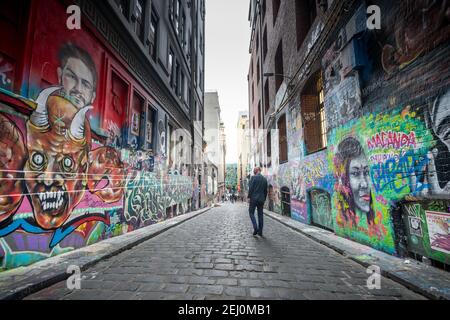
(54, 168)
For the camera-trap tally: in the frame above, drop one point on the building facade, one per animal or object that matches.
(350, 118)
(243, 170)
(214, 144)
(102, 123)
(223, 152)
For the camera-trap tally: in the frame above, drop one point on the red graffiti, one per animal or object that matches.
(394, 140)
(56, 163)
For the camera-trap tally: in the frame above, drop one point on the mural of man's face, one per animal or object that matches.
(441, 119)
(360, 182)
(78, 82)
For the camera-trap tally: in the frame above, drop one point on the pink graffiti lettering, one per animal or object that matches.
(389, 139)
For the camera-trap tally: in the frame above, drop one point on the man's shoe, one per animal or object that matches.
(255, 233)
(260, 234)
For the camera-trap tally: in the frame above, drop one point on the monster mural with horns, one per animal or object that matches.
(56, 165)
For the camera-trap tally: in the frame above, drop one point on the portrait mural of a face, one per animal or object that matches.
(439, 124)
(354, 182)
(77, 75)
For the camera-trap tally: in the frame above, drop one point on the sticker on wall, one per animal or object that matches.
(415, 226)
(439, 230)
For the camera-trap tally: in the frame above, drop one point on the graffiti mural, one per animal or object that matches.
(427, 224)
(379, 160)
(148, 196)
(59, 182)
(321, 208)
(76, 166)
(424, 27)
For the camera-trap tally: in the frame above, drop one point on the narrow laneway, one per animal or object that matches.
(215, 256)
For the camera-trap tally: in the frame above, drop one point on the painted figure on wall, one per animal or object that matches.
(77, 75)
(353, 186)
(425, 26)
(438, 118)
(59, 164)
(58, 139)
(54, 163)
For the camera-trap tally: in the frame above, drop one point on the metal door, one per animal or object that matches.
(285, 201)
(321, 208)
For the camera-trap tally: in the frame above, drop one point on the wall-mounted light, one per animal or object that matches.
(271, 74)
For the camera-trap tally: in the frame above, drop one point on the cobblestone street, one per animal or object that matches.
(215, 256)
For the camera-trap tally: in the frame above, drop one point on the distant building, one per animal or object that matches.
(243, 145)
(231, 180)
(214, 151)
(222, 167)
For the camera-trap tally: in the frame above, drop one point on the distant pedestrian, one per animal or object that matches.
(257, 195)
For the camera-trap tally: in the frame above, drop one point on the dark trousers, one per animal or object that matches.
(257, 205)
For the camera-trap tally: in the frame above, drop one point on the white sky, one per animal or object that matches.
(227, 62)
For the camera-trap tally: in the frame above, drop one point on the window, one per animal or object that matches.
(269, 148)
(172, 5)
(253, 91)
(114, 116)
(305, 12)
(177, 79)
(263, 9)
(195, 111)
(266, 97)
(259, 114)
(182, 30)
(135, 117)
(282, 142)
(182, 93)
(313, 114)
(139, 17)
(153, 35)
(276, 7)
(170, 67)
(189, 45)
(170, 147)
(177, 16)
(257, 42)
(149, 125)
(264, 44)
(124, 7)
(201, 80)
(12, 46)
(201, 43)
(257, 72)
(279, 71)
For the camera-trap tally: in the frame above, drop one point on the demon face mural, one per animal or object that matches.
(57, 163)
(56, 170)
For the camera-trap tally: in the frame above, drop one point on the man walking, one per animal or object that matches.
(257, 195)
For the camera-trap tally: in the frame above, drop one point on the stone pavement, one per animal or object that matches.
(420, 277)
(20, 282)
(215, 256)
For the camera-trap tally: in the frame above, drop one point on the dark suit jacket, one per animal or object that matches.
(257, 191)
